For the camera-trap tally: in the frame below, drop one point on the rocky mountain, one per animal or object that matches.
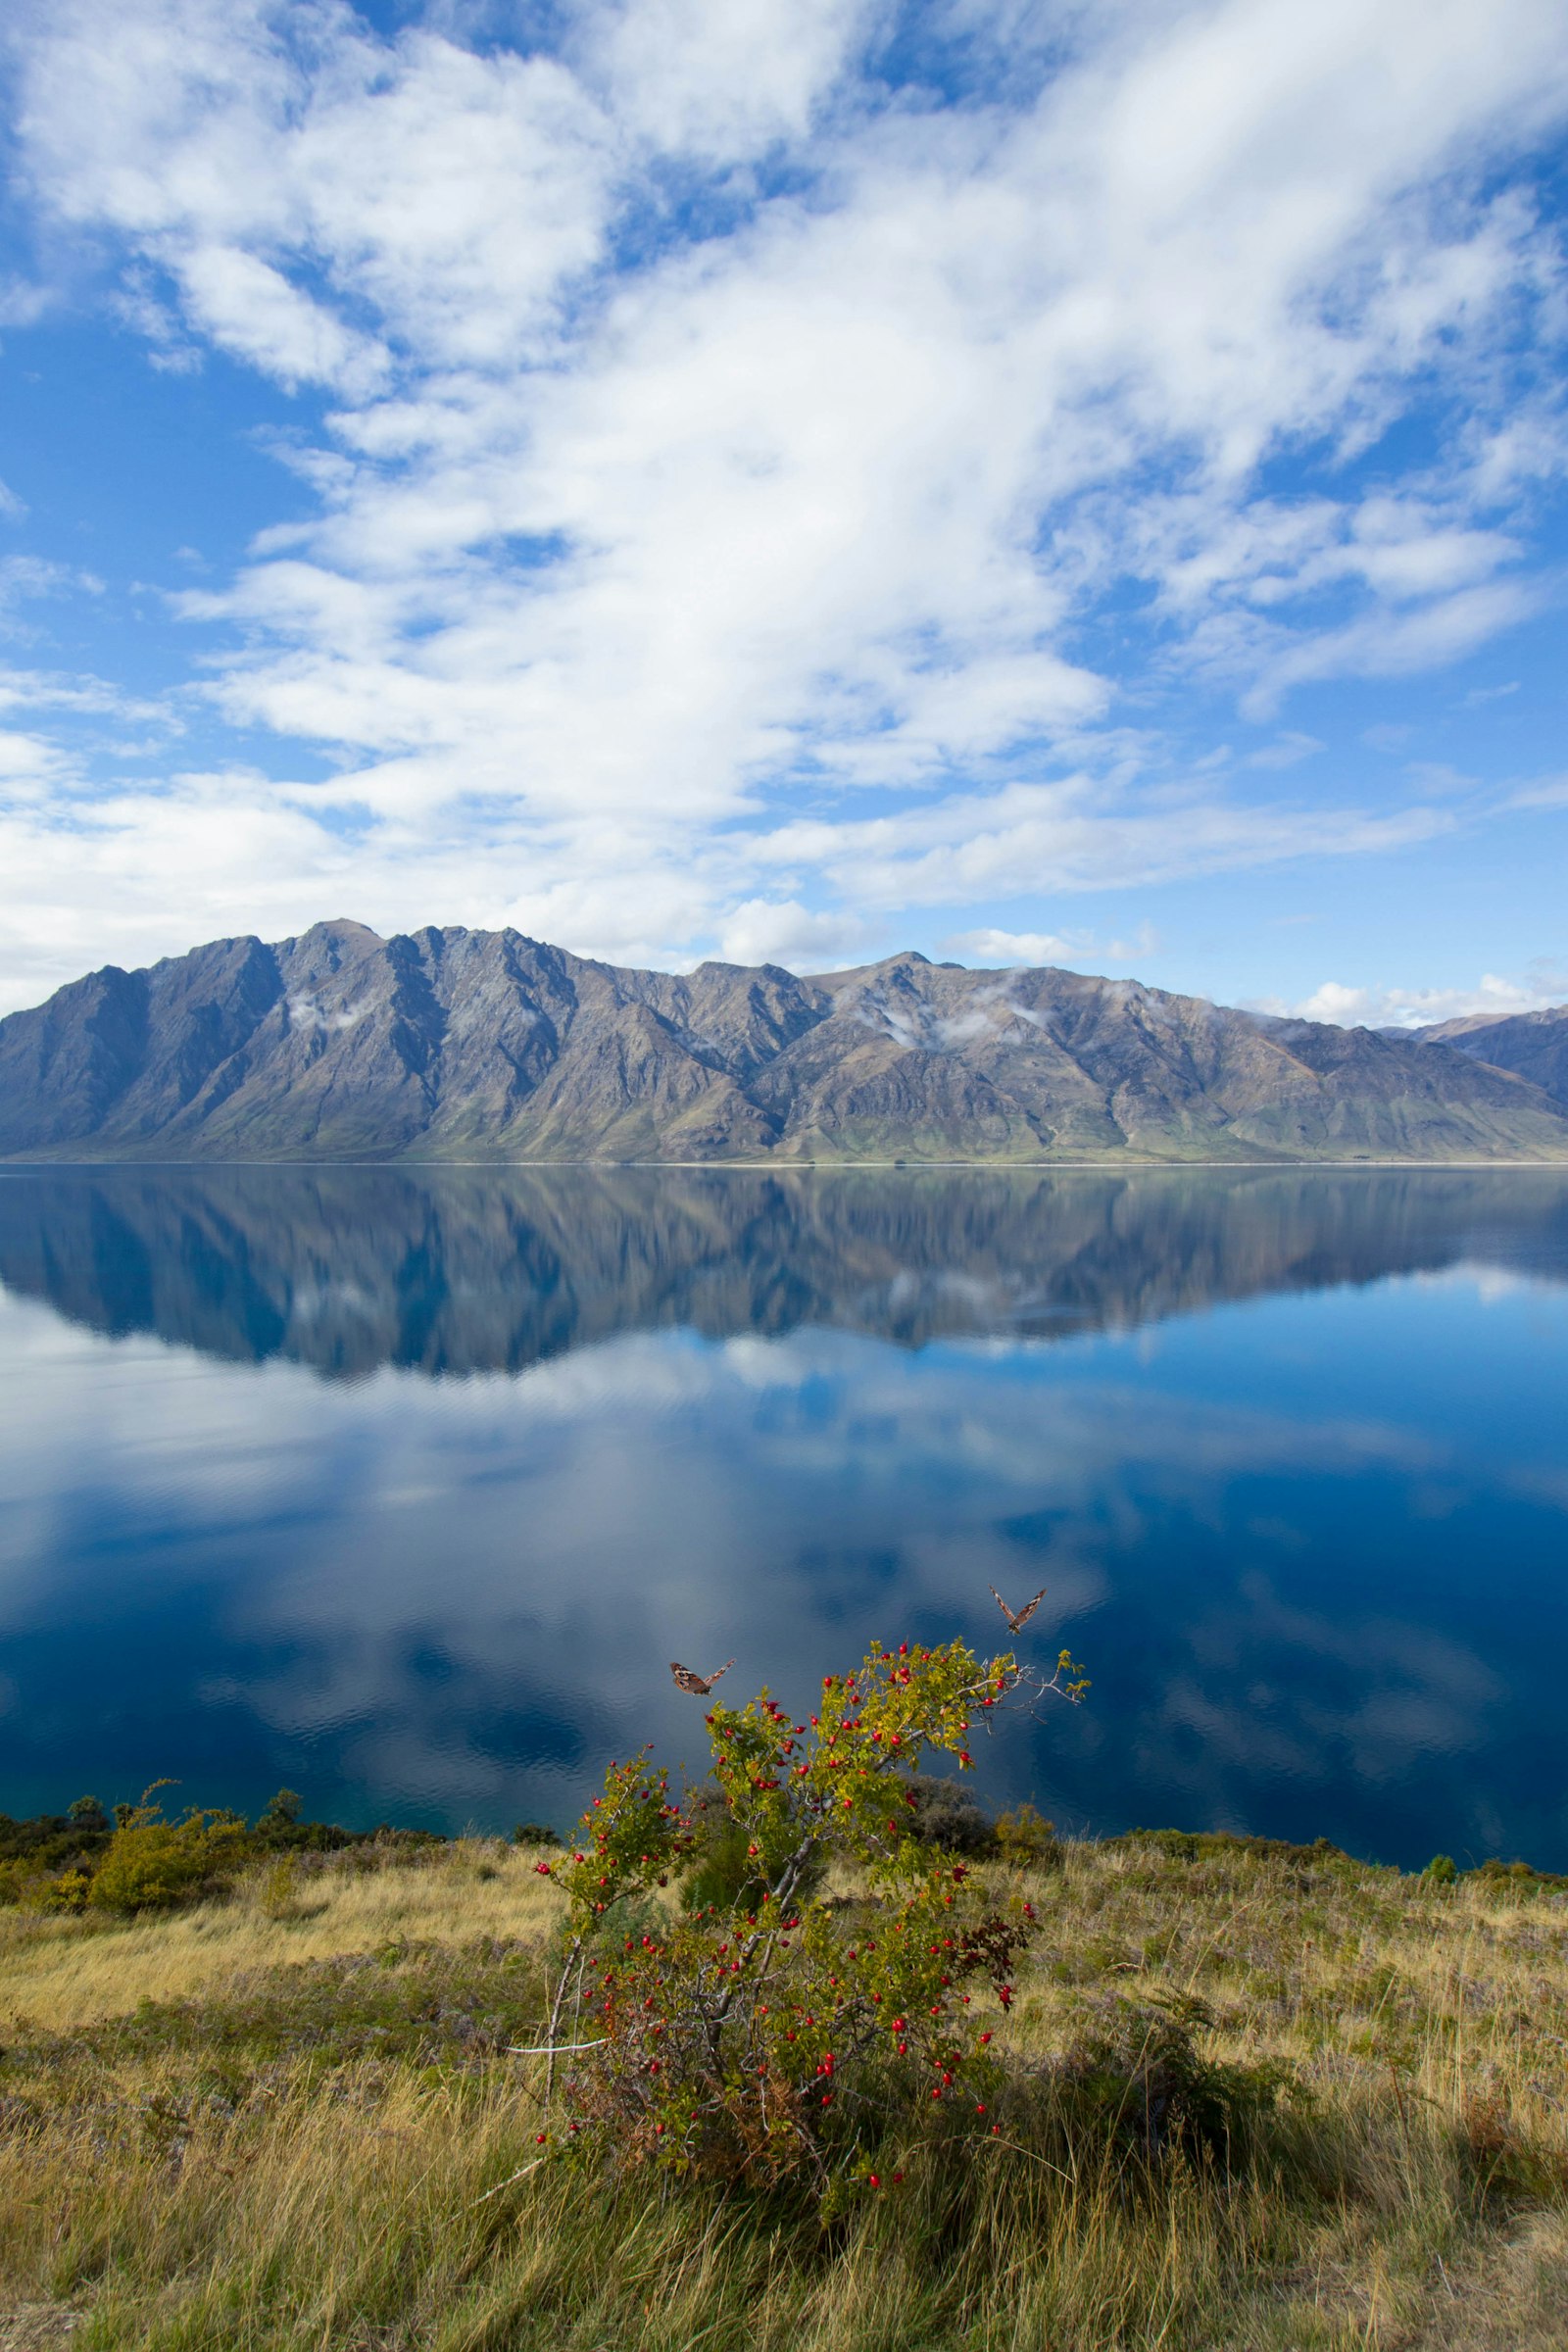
(454, 1045)
(1531, 1044)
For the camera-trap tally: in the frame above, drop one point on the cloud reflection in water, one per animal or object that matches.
(268, 1532)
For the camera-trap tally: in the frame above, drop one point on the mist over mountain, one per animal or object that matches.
(454, 1045)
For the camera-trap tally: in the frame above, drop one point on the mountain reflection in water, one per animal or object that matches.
(401, 1486)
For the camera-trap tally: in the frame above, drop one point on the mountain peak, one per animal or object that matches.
(458, 1044)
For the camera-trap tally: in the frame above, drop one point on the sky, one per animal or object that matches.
(793, 480)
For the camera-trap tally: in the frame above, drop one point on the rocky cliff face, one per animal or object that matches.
(1533, 1046)
(452, 1045)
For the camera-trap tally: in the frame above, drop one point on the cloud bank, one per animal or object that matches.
(771, 467)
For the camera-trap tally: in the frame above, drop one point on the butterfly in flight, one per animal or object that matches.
(1017, 1619)
(699, 1684)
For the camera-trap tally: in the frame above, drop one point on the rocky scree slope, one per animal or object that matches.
(453, 1044)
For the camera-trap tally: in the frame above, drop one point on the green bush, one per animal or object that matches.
(153, 1864)
(722, 1873)
(944, 1816)
(1138, 2081)
(1026, 1841)
(764, 2035)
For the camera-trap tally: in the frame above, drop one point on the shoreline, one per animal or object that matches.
(825, 1167)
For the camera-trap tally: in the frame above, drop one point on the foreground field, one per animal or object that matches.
(290, 2119)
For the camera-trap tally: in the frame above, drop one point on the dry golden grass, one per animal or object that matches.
(293, 2148)
(62, 1972)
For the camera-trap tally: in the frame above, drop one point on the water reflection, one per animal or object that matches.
(453, 1270)
(1313, 1546)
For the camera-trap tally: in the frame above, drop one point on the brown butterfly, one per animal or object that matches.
(699, 1684)
(1017, 1619)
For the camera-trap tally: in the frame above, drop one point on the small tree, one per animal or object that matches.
(784, 2034)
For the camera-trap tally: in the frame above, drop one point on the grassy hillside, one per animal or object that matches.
(289, 2117)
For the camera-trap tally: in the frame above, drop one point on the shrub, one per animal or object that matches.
(1138, 2081)
(1026, 1841)
(278, 1890)
(722, 1872)
(946, 1816)
(152, 1862)
(765, 2035)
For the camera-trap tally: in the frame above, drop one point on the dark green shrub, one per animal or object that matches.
(944, 1816)
(1138, 2081)
(722, 1874)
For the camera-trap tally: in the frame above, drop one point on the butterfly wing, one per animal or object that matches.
(1002, 1606)
(717, 1671)
(685, 1679)
(1028, 1610)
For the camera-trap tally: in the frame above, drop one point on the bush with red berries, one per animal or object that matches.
(787, 2035)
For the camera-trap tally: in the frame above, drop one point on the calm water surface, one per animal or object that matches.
(400, 1487)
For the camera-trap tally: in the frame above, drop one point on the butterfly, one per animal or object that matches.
(699, 1684)
(1017, 1619)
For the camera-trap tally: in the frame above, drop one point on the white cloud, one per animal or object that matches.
(1079, 950)
(1494, 995)
(1011, 949)
(1552, 792)
(243, 303)
(782, 931)
(717, 444)
(722, 79)
(1071, 836)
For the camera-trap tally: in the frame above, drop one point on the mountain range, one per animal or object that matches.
(450, 1044)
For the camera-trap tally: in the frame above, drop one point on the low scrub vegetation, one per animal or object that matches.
(1194, 2091)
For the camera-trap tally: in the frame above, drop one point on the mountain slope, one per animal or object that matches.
(453, 1044)
(1534, 1045)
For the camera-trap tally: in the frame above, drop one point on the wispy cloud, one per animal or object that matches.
(749, 497)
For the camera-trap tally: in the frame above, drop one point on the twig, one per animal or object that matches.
(510, 2178)
(1069, 2178)
(555, 2016)
(556, 2049)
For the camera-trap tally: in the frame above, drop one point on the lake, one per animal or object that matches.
(401, 1486)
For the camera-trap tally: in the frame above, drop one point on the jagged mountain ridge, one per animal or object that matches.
(1533, 1046)
(454, 1044)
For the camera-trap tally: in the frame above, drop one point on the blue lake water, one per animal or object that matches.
(400, 1487)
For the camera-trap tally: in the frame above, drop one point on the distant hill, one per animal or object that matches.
(1532, 1044)
(453, 1044)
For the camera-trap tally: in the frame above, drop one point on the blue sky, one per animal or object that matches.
(793, 479)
